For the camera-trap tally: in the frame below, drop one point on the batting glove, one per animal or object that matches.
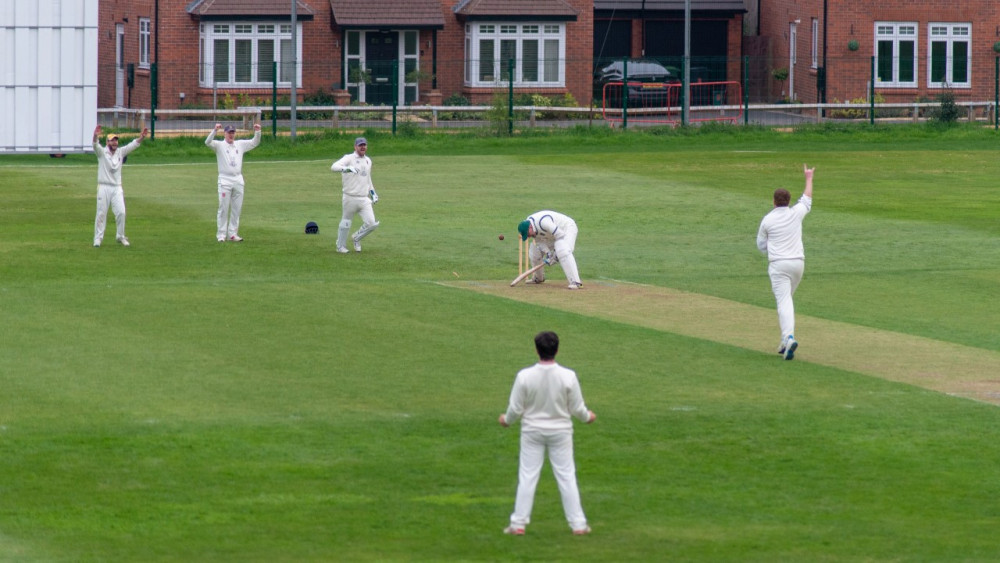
(349, 170)
(550, 259)
(373, 195)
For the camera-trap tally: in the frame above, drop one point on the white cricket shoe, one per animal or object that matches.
(790, 345)
(575, 285)
(513, 530)
(357, 243)
(342, 250)
(123, 241)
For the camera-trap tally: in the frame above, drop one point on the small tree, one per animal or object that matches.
(781, 75)
(948, 112)
(419, 76)
(499, 115)
(359, 75)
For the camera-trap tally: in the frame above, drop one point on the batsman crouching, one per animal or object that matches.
(554, 241)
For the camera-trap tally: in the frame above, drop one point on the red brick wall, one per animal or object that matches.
(322, 45)
(110, 13)
(321, 52)
(848, 72)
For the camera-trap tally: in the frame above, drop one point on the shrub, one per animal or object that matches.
(948, 112)
(498, 115)
(455, 100)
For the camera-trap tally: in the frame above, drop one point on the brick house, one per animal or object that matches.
(205, 50)
(921, 48)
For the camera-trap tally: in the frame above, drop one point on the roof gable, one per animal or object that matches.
(248, 8)
(388, 13)
(516, 8)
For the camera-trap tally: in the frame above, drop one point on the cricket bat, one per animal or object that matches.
(525, 275)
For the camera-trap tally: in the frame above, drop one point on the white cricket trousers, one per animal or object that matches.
(785, 277)
(113, 196)
(230, 205)
(564, 247)
(355, 205)
(560, 448)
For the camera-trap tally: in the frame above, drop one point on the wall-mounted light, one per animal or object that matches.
(797, 22)
(182, 96)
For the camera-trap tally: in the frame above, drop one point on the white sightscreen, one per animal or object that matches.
(48, 75)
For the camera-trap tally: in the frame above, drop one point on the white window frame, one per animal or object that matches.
(409, 61)
(814, 46)
(145, 33)
(547, 71)
(232, 31)
(950, 34)
(897, 33)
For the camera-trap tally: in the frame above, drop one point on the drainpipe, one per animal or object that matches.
(826, 74)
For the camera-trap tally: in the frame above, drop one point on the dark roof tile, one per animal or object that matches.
(396, 13)
(515, 8)
(216, 8)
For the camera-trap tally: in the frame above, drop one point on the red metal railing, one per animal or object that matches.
(660, 102)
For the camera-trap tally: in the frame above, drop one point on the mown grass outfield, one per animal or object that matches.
(185, 400)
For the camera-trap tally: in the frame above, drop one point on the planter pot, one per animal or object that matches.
(432, 97)
(341, 97)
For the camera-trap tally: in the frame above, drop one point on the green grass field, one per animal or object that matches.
(185, 400)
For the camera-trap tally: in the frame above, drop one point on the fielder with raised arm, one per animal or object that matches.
(780, 239)
(109, 183)
(359, 195)
(229, 154)
(554, 237)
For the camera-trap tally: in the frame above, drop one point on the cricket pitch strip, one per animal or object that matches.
(945, 367)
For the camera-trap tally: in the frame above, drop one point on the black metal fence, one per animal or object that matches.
(610, 92)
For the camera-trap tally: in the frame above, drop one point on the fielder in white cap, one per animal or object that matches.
(555, 240)
(359, 195)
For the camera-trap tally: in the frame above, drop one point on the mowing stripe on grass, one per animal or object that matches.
(946, 367)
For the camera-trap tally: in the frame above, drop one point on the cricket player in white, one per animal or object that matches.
(359, 195)
(780, 239)
(109, 183)
(554, 237)
(229, 154)
(546, 397)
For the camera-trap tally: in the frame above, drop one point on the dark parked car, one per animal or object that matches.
(650, 84)
(640, 70)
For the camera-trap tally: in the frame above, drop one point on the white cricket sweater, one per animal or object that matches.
(780, 233)
(359, 183)
(550, 225)
(545, 397)
(109, 166)
(230, 157)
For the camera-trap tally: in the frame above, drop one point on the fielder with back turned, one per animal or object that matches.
(546, 397)
(780, 239)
